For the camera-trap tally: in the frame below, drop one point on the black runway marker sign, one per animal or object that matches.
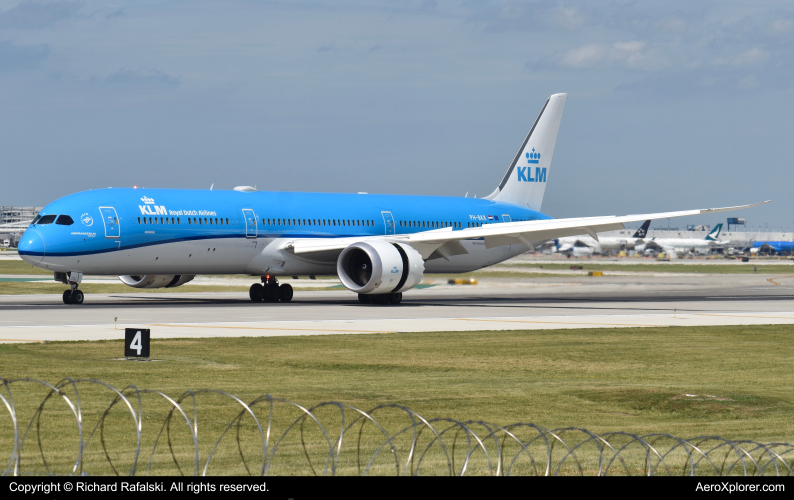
(136, 342)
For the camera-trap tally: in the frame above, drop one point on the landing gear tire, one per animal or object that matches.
(380, 299)
(270, 294)
(255, 292)
(77, 297)
(285, 292)
(67, 296)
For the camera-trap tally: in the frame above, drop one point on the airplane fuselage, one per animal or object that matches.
(170, 231)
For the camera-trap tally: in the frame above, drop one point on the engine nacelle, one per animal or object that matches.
(157, 280)
(376, 266)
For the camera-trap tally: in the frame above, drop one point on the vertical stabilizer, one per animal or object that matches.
(643, 230)
(715, 233)
(525, 181)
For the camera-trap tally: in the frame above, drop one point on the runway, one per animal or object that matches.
(496, 304)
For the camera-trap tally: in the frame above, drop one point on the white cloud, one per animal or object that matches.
(748, 82)
(779, 26)
(569, 18)
(36, 15)
(672, 25)
(747, 58)
(630, 46)
(586, 56)
(628, 54)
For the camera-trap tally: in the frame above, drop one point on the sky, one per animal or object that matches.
(672, 105)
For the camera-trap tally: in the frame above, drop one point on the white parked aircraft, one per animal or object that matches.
(581, 245)
(695, 245)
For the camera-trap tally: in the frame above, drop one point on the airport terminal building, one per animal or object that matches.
(13, 222)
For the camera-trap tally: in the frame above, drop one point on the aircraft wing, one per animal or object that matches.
(445, 242)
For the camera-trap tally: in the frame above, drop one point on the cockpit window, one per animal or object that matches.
(35, 220)
(47, 219)
(64, 220)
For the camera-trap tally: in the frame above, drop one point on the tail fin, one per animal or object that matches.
(525, 180)
(715, 233)
(643, 230)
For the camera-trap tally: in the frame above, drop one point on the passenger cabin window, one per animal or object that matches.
(47, 219)
(64, 220)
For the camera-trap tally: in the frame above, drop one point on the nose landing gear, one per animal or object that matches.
(73, 296)
(270, 291)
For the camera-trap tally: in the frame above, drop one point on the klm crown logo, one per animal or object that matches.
(533, 157)
(146, 208)
(525, 173)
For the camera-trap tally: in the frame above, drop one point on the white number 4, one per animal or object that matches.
(136, 343)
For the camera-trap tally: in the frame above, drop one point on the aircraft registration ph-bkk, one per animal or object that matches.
(378, 245)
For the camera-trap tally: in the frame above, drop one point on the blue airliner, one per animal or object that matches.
(777, 246)
(378, 245)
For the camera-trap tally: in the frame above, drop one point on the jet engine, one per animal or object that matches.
(376, 267)
(156, 280)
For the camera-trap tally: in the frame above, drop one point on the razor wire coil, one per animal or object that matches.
(333, 438)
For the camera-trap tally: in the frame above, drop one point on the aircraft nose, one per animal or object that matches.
(31, 247)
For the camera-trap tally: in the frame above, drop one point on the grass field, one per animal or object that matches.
(603, 380)
(665, 267)
(21, 267)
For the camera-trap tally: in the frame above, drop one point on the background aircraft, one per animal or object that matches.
(585, 245)
(781, 247)
(694, 245)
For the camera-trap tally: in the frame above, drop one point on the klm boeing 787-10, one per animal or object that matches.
(378, 245)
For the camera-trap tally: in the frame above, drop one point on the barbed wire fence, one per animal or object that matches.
(88, 427)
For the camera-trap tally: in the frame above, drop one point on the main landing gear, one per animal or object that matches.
(382, 298)
(73, 296)
(270, 291)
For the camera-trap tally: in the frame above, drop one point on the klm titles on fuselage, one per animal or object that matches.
(151, 209)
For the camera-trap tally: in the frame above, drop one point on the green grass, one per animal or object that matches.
(672, 267)
(21, 267)
(603, 380)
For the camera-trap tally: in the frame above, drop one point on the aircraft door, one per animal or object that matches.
(250, 223)
(111, 220)
(506, 218)
(388, 221)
